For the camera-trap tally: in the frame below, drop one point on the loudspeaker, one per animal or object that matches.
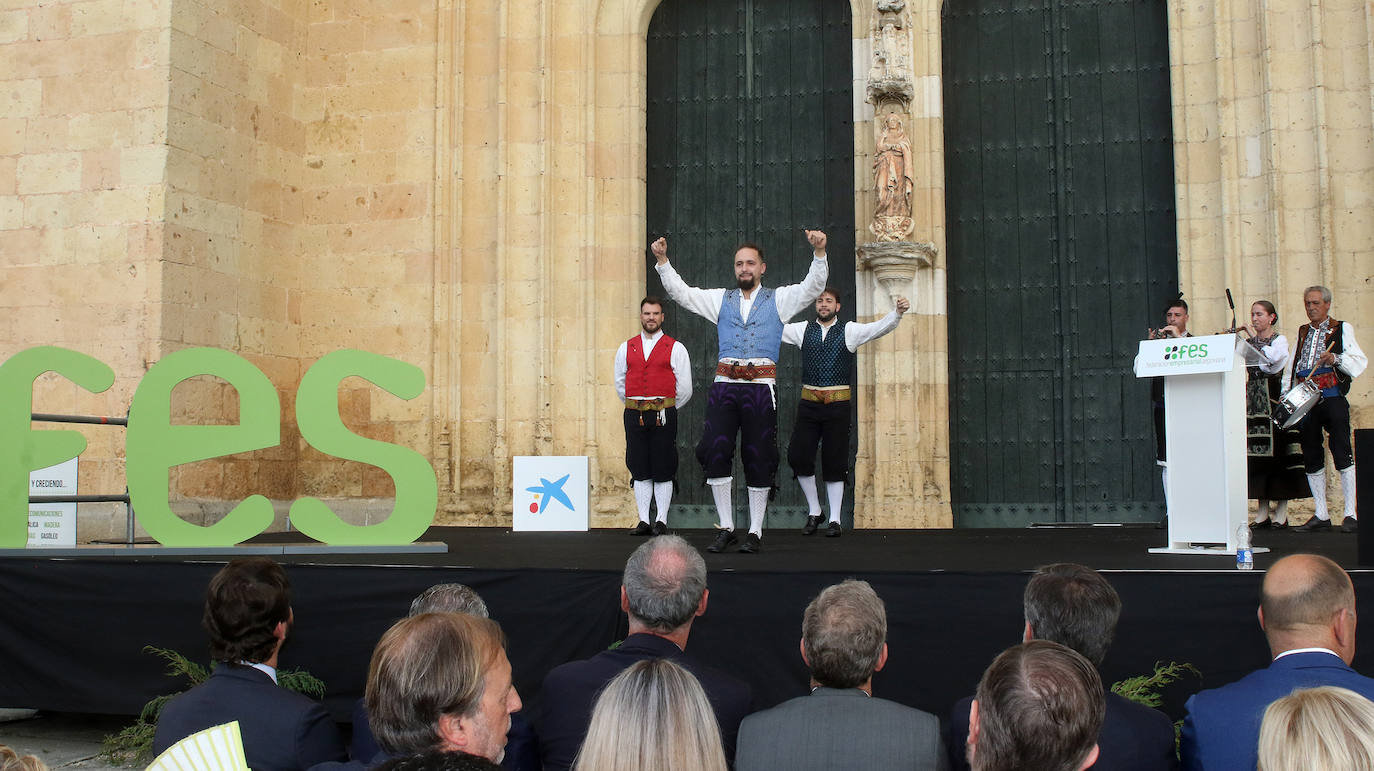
(1364, 494)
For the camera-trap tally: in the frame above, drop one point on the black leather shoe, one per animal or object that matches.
(660, 527)
(752, 544)
(811, 524)
(1313, 525)
(1350, 525)
(1265, 525)
(833, 530)
(642, 529)
(724, 538)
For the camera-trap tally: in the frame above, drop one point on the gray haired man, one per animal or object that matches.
(841, 724)
(662, 592)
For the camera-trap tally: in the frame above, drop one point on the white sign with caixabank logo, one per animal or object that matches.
(549, 492)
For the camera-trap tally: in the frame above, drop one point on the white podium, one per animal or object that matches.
(1204, 429)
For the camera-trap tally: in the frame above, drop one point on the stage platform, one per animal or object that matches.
(72, 629)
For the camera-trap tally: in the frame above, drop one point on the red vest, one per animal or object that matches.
(653, 378)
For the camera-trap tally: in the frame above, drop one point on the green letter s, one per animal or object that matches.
(317, 415)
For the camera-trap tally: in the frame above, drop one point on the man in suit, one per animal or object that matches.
(841, 724)
(1039, 706)
(248, 616)
(1074, 606)
(662, 593)
(1307, 612)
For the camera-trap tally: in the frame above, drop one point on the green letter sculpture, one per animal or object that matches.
(154, 445)
(23, 450)
(317, 415)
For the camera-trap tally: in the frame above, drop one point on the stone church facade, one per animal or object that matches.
(461, 185)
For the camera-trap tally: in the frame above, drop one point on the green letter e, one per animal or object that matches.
(155, 445)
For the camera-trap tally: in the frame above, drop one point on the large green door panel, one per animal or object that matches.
(1061, 249)
(750, 138)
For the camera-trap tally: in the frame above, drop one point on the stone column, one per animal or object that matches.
(902, 469)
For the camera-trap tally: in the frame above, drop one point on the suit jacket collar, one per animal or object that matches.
(1308, 661)
(823, 692)
(240, 672)
(651, 644)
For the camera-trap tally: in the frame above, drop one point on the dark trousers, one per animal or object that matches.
(745, 409)
(651, 449)
(826, 426)
(1332, 413)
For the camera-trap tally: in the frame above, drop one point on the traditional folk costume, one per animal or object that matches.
(742, 400)
(1332, 413)
(823, 413)
(653, 377)
(1274, 459)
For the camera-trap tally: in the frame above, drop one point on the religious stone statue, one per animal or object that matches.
(892, 177)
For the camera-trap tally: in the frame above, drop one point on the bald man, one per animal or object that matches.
(1307, 612)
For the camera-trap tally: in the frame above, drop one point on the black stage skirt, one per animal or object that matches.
(1275, 454)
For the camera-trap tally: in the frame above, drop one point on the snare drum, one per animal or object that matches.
(1295, 404)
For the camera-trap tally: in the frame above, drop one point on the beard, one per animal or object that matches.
(825, 315)
(747, 284)
(650, 327)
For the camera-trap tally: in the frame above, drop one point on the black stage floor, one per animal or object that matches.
(72, 629)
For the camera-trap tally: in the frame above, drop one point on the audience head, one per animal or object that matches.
(1074, 606)
(664, 587)
(1307, 601)
(13, 761)
(449, 598)
(844, 635)
(441, 682)
(439, 761)
(1039, 707)
(654, 716)
(247, 611)
(1318, 729)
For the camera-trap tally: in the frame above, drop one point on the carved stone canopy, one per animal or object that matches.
(895, 263)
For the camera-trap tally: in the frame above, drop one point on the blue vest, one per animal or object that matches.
(825, 362)
(758, 338)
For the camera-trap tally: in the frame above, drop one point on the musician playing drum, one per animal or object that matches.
(1274, 453)
(1327, 352)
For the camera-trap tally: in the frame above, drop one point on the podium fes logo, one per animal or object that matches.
(1194, 351)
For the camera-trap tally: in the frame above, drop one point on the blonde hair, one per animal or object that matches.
(13, 761)
(1318, 729)
(654, 716)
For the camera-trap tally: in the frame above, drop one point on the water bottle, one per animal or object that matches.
(1245, 556)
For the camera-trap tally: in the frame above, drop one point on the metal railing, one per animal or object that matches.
(49, 417)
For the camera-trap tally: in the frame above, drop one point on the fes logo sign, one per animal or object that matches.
(153, 445)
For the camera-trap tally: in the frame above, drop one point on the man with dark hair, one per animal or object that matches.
(1175, 325)
(844, 641)
(662, 593)
(1039, 706)
(248, 616)
(1073, 605)
(653, 377)
(823, 413)
(1328, 354)
(441, 682)
(743, 400)
(1307, 612)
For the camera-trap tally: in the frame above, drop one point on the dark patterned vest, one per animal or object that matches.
(825, 362)
(1337, 343)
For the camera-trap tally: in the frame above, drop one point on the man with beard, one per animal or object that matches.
(248, 616)
(1328, 355)
(749, 321)
(823, 414)
(653, 377)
